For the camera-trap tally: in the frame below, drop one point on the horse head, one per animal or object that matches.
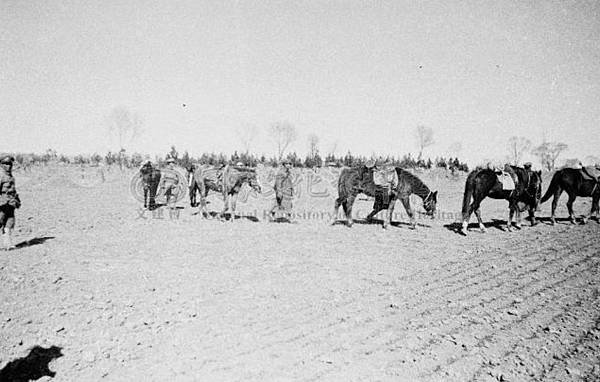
(251, 178)
(430, 204)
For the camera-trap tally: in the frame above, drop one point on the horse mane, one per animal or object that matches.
(419, 187)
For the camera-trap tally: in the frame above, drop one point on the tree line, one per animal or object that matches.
(311, 160)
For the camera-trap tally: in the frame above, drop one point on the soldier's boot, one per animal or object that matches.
(11, 244)
(7, 242)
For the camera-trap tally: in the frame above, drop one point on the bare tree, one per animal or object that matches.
(517, 146)
(333, 148)
(282, 134)
(548, 152)
(424, 136)
(247, 134)
(313, 145)
(125, 124)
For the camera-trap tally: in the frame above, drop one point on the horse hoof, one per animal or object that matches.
(519, 227)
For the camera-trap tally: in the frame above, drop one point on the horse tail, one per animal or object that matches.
(469, 186)
(552, 187)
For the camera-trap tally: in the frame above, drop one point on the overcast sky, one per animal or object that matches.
(363, 74)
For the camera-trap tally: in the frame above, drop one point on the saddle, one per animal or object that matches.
(385, 180)
(386, 177)
(507, 180)
(591, 173)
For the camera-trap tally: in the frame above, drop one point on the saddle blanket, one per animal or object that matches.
(386, 177)
(591, 172)
(507, 181)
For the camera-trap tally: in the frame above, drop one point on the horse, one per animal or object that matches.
(354, 181)
(227, 181)
(150, 181)
(573, 182)
(484, 183)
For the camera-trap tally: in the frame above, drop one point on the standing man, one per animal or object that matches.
(168, 185)
(191, 169)
(146, 172)
(9, 201)
(284, 190)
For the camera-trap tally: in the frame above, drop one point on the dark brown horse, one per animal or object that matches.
(575, 184)
(354, 181)
(227, 181)
(484, 183)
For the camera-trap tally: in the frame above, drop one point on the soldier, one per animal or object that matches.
(9, 201)
(191, 169)
(168, 184)
(284, 191)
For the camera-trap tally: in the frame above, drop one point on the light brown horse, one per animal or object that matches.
(227, 181)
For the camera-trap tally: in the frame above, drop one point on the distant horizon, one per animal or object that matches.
(561, 161)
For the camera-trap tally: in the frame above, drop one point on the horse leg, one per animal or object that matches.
(518, 212)
(593, 210)
(570, 207)
(390, 212)
(479, 220)
(554, 204)
(409, 212)
(377, 206)
(475, 207)
(467, 217)
(532, 216)
(348, 209)
(511, 213)
(519, 224)
(225, 207)
(145, 197)
(233, 205)
(336, 208)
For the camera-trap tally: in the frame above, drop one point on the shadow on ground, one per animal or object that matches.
(379, 222)
(31, 367)
(34, 241)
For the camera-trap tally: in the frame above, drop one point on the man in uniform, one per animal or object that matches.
(284, 190)
(9, 201)
(191, 169)
(168, 185)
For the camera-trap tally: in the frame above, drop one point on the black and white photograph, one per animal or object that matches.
(310, 190)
